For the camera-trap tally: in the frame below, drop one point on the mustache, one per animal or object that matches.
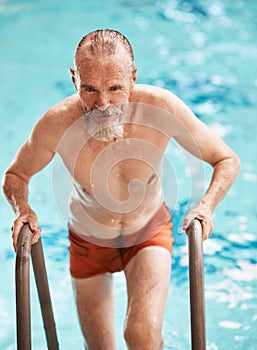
(104, 113)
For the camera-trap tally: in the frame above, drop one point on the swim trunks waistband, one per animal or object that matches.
(159, 220)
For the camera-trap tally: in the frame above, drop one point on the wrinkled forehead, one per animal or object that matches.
(103, 69)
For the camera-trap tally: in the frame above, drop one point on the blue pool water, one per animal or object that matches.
(205, 52)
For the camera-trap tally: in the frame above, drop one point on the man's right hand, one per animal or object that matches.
(27, 216)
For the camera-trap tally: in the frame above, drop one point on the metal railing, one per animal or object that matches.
(22, 279)
(196, 280)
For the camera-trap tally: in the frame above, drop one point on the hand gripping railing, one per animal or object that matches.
(22, 277)
(196, 277)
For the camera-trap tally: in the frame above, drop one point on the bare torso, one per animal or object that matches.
(117, 184)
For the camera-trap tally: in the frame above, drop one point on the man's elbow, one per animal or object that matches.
(230, 164)
(5, 183)
(235, 165)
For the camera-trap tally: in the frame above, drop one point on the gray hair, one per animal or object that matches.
(106, 41)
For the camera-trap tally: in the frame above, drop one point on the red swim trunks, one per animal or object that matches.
(88, 259)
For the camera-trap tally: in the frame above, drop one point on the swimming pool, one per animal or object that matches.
(204, 51)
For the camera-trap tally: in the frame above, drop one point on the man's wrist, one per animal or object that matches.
(207, 205)
(22, 208)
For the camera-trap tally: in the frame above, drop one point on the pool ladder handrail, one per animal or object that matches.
(196, 281)
(22, 277)
(22, 280)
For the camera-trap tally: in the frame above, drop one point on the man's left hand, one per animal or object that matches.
(204, 215)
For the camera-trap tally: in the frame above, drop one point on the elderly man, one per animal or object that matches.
(111, 136)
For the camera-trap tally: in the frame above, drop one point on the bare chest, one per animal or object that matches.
(120, 169)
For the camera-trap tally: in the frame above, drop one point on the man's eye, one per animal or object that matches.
(88, 88)
(115, 88)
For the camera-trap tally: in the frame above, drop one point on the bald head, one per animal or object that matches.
(104, 43)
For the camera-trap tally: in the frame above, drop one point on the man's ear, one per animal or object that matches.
(73, 77)
(134, 78)
(134, 74)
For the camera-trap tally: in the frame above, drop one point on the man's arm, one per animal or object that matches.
(201, 141)
(34, 155)
(224, 174)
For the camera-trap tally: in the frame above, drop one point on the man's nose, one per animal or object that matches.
(102, 101)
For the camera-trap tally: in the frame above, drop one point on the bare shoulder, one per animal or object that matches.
(63, 113)
(158, 97)
(190, 132)
(52, 125)
(179, 116)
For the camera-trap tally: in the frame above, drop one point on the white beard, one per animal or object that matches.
(105, 130)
